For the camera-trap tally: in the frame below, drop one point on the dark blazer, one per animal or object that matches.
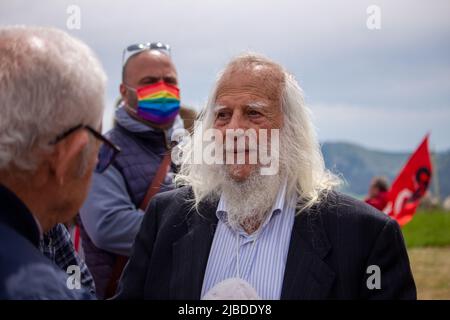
(332, 245)
(25, 273)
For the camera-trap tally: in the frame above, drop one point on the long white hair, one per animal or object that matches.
(301, 157)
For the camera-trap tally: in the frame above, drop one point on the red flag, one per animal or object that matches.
(410, 185)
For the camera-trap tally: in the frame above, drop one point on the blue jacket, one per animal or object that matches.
(25, 273)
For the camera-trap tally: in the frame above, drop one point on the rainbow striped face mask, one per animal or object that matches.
(158, 103)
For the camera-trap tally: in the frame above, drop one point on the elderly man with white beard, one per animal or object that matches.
(231, 232)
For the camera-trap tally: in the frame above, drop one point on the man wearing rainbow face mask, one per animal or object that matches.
(144, 121)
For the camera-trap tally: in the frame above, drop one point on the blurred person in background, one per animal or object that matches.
(378, 192)
(51, 107)
(144, 121)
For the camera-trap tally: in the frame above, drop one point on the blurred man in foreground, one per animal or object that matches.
(51, 105)
(238, 230)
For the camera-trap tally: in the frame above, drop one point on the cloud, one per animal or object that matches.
(382, 128)
(326, 44)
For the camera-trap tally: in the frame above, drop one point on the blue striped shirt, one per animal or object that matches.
(259, 258)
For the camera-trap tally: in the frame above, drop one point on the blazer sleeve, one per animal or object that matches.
(390, 258)
(132, 282)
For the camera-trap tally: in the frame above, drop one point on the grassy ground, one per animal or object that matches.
(428, 229)
(431, 270)
(428, 239)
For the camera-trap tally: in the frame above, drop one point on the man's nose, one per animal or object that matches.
(237, 121)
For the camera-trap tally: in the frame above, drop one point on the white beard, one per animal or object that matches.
(248, 202)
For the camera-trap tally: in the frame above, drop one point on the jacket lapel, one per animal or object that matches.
(307, 276)
(191, 252)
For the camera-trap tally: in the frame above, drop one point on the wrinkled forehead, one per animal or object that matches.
(264, 80)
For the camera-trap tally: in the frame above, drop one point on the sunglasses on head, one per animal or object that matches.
(138, 47)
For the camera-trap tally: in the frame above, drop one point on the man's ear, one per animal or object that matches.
(66, 153)
(123, 92)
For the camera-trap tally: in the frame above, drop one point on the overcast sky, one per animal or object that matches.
(384, 89)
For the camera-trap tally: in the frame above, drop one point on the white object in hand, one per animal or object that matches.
(232, 289)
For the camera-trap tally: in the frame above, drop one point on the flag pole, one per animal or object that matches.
(435, 176)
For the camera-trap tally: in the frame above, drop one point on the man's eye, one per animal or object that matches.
(254, 113)
(170, 81)
(148, 81)
(221, 115)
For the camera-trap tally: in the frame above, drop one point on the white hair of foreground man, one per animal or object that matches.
(49, 82)
(301, 157)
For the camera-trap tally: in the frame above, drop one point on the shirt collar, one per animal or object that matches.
(41, 232)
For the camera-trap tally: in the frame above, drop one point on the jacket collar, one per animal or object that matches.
(306, 275)
(15, 214)
(129, 123)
